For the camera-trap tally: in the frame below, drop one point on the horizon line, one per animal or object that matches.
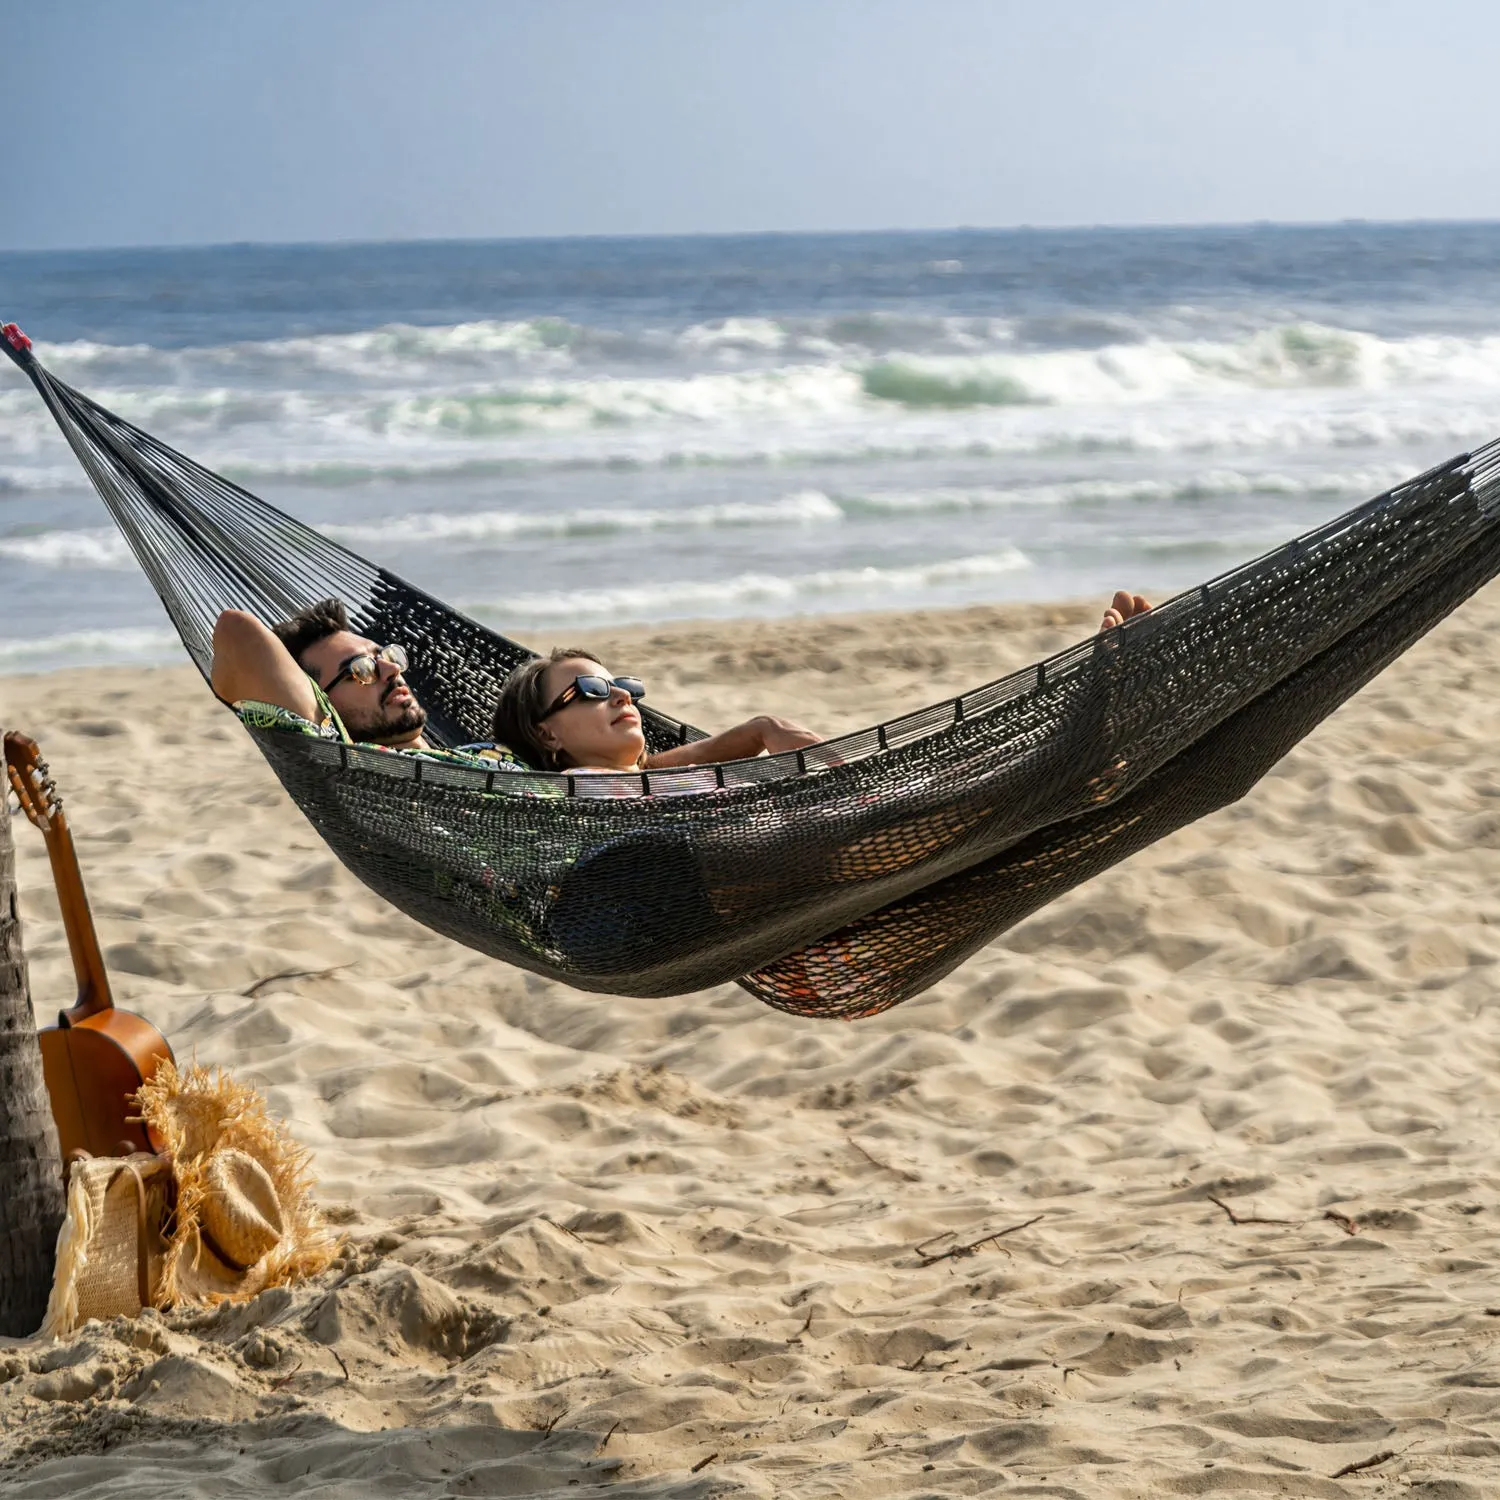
(1028, 227)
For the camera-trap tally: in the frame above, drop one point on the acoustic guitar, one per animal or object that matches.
(96, 1057)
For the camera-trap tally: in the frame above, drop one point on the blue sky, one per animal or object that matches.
(167, 122)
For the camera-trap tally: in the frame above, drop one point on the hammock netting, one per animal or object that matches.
(835, 881)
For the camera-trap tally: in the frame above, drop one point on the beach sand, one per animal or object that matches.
(1187, 1185)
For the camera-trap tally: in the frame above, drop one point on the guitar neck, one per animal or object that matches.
(78, 922)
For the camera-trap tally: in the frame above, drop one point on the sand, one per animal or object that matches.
(1188, 1185)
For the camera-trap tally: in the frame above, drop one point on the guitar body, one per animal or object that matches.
(96, 1057)
(92, 1069)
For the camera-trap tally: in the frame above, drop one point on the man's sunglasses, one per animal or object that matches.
(364, 667)
(591, 685)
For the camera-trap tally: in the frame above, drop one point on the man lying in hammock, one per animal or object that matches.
(312, 674)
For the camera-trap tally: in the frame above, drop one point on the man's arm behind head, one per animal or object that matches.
(249, 662)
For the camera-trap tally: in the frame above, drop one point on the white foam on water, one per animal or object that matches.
(140, 644)
(95, 547)
(402, 352)
(944, 351)
(1294, 387)
(33, 479)
(1299, 356)
(870, 587)
(802, 392)
(756, 335)
(103, 547)
(1207, 485)
(1229, 430)
(804, 508)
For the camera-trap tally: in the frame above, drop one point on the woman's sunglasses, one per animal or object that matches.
(365, 667)
(591, 685)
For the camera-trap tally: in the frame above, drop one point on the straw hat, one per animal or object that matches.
(225, 1212)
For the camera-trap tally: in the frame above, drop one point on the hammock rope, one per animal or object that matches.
(841, 879)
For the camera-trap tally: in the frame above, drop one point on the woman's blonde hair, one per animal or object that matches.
(518, 714)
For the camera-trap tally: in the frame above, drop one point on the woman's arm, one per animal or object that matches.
(764, 732)
(767, 733)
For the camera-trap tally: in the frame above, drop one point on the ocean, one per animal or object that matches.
(563, 434)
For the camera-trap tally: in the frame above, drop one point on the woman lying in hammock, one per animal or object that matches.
(566, 712)
(313, 674)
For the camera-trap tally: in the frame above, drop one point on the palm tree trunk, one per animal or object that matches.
(31, 1180)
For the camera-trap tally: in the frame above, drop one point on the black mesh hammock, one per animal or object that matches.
(835, 881)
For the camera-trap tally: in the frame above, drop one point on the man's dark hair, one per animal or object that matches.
(310, 625)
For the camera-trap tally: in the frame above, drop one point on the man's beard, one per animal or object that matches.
(387, 725)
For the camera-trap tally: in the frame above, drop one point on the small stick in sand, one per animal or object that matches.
(1235, 1218)
(884, 1166)
(957, 1252)
(703, 1463)
(345, 1368)
(1348, 1225)
(251, 991)
(947, 1234)
(604, 1441)
(570, 1232)
(1364, 1463)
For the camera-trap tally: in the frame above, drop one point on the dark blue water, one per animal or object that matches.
(1385, 278)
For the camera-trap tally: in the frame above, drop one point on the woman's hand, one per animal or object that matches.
(764, 732)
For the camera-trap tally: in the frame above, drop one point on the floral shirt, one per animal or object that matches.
(257, 715)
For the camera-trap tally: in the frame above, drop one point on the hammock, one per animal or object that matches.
(833, 881)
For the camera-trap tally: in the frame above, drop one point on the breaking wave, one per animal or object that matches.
(94, 547)
(684, 598)
(336, 458)
(90, 647)
(103, 547)
(806, 507)
(405, 404)
(912, 361)
(725, 596)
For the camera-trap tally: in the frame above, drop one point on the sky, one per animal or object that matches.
(160, 122)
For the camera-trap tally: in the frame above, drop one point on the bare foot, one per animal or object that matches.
(1121, 608)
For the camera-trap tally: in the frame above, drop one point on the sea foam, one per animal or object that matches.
(92, 547)
(105, 549)
(754, 590)
(142, 644)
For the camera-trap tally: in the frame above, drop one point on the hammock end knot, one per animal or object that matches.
(15, 338)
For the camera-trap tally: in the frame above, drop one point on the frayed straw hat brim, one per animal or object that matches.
(200, 1115)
